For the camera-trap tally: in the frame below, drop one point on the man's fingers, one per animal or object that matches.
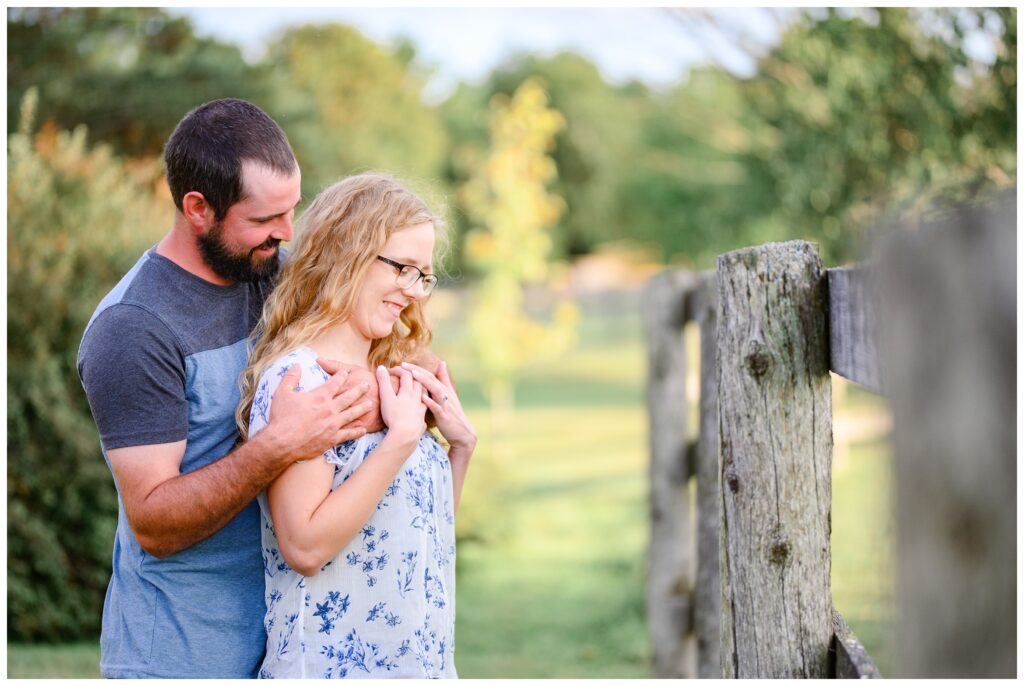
(345, 435)
(427, 359)
(332, 387)
(353, 413)
(328, 365)
(350, 396)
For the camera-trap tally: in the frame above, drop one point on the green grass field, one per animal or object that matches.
(550, 577)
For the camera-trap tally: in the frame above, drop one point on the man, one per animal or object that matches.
(160, 361)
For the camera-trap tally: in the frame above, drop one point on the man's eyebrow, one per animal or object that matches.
(274, 216)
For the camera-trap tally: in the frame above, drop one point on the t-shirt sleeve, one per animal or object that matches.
(133, 370)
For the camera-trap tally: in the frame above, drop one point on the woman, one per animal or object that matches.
(359, 544)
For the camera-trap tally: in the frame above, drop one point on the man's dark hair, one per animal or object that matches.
(206, 151)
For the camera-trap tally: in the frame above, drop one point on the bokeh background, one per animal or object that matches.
(571, 169)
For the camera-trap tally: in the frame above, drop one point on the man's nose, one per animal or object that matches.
(283, 229)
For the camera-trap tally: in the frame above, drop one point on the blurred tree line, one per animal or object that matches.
(852, 116)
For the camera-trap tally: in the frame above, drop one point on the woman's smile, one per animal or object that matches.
(394, 308)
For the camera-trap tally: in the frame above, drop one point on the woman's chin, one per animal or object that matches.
(383, 331)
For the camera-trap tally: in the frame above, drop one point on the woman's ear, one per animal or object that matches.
(197, 211)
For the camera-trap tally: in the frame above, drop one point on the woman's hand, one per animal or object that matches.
(443, 401)
(402, 409)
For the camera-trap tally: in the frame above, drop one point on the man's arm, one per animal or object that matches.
(169, 511)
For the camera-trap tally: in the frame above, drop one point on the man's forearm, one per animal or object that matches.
(190, 507)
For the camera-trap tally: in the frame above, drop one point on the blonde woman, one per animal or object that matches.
(359, 544)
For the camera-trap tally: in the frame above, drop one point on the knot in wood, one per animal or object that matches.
(758, 359)
(780, 552)
(734, 482)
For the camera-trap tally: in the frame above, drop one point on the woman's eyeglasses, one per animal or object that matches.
(408, 275)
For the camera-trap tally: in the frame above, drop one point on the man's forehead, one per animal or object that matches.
(261, 182)
(254, 171)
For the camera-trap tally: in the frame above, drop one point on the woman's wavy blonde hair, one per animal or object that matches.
(339, 237)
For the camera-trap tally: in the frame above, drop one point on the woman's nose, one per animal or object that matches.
(415, 291)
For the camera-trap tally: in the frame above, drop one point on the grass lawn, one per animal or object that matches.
(68, 660)
(863, 549)
(551, 566)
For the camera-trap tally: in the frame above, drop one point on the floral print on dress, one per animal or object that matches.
(385, 605)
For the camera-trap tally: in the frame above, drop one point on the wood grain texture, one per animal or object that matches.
(708, 597)
(853, 332)
(948, 329)
(775, 416)
(670, 568)
(850, 659)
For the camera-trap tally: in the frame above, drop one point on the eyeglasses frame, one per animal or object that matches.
(428, 286)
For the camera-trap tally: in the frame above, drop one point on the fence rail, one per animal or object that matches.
(931, 322)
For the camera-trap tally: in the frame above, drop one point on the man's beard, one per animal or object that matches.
(234, 266)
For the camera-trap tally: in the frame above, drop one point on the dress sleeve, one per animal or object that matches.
(133, 370)
(312, 377)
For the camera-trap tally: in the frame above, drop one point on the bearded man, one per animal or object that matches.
(160, 361)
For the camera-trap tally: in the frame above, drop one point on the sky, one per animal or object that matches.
(653, 45)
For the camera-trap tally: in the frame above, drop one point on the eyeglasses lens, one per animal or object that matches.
(409, 275)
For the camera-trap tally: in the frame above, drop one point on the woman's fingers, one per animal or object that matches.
(446, 376)
(384, 383)
(429, 381)
(438, 410)
(406, 382)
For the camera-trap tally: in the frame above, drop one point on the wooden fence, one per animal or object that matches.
(930, 322)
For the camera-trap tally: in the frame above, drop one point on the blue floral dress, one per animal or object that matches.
(385, 606)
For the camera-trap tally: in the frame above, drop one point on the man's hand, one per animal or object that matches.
(304, 425)
(371, 420)
(427, 360)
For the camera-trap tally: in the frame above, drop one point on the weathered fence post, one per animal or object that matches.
(949, 334)
(708, 597)
(853, 325)
(776, 447)
(670, 562)
(851, 660)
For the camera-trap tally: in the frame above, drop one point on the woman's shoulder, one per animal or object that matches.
(312, 376)
(303, 356)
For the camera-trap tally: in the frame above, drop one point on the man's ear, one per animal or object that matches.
(197, 211)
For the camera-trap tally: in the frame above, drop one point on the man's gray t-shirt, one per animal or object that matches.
(160, 361)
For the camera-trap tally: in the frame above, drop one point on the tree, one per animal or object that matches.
(511, 248)
(77, 219)
(864, 115)
(350, 105)
(128, 74)
(686, 188)
(601, 132)
(663, 169)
